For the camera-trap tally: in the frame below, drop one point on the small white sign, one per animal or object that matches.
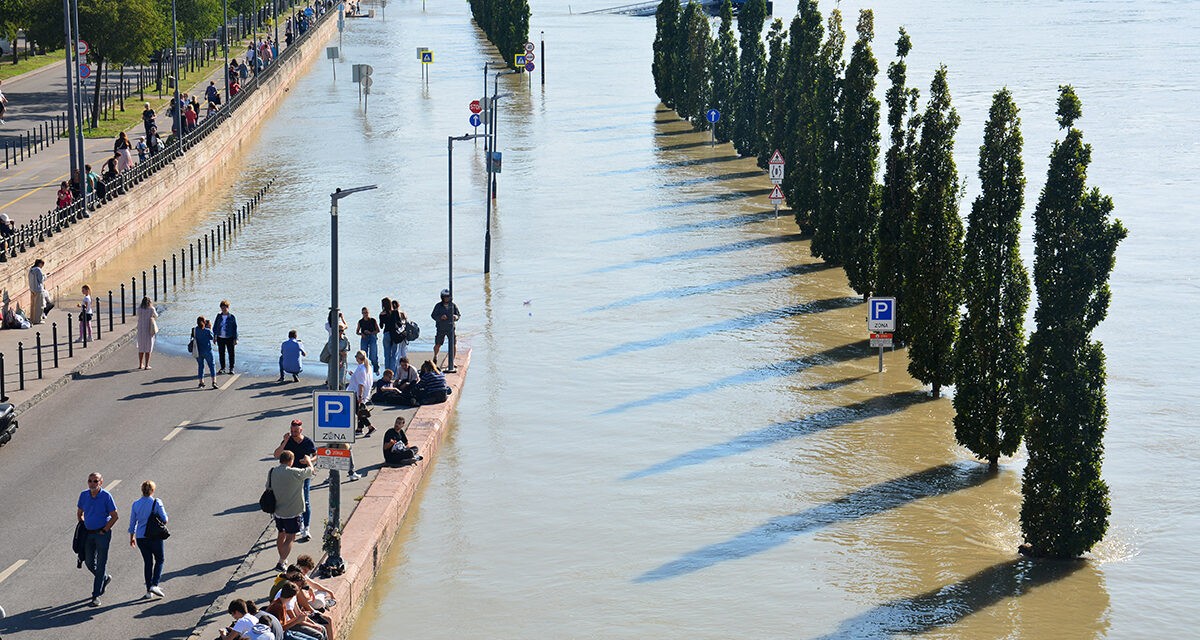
(776, 195)
(333, 459)
(776, 172)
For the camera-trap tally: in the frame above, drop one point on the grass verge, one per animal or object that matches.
(26, 64)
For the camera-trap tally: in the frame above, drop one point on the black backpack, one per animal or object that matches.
(411, 331)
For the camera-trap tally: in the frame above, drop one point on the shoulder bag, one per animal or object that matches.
(156, 529)
(266, 501)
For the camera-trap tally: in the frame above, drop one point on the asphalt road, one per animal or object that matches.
(130, 426)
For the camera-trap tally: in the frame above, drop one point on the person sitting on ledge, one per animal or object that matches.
(290, 353)
(431, 388)
(396, 452)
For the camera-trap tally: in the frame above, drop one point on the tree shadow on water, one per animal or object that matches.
(850, 351)
(713, 287)
(741, 245)
(783, 431)
(950, 604)
(864, 503)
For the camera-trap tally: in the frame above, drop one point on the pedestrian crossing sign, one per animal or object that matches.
(519, 60)
(427, 57)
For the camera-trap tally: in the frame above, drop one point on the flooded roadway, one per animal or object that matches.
(673, 427)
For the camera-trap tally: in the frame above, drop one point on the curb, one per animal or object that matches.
(73, 374)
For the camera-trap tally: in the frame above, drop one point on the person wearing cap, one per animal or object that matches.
(445, 314)
(304, 453)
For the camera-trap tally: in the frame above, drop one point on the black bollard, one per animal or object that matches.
(98, 312)
(21, 365)
(122, 303)
(145, 289)
(110, 311)
(155, 269)
(133, 295)
(83, 335)
(70, 337)
(54, 335)
(3, 394)
(37, 342)
(174, 281)
(164, 272)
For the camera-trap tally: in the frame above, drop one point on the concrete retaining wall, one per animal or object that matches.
(79, 250)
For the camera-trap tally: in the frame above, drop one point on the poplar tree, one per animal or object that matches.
(750, 90)
(1065, 509)
(666, 67)
(828, 90)
(770, 120)
(989, 358)
(693, 91)
(725, 76)
(899, 183)
(934, 240)
(797, 106)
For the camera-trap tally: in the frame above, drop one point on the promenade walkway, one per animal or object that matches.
(208, 450)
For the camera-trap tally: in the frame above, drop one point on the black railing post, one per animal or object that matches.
(98, 312)
(164, 274)
(155, 269)
(54, 335)
(37, 341)
(122, 303)
(110, 311)
(133, 294)
(70, 337)
(145, 289)
(21, 365)
(191, 258)
(83, 334)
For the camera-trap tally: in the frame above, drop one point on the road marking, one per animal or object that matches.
(4, 575)
(176, 430)
(230, 381)
(33, 191)
(112, 485)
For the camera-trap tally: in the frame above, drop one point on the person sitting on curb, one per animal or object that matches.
(265, 618)
(290, 616)
(431, 389)
(396, 452)
(290, 354)
(245, 626)
(305, 600)
(322, 596)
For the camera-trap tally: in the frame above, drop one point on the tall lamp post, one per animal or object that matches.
(450, 140)
(176, 111)
(491, 174)
(336, 379)
(225, 45)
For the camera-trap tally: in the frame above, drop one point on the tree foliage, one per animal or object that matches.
(751, 92)
(770, 122)
(990, 354)
(197, 18)
(1065, 508)
(120, 31)
(694, 92)
(830, 68)
(934, 239)
(666, 63)
(797, 107)
(725, 76)
(506, 24)
(898, 196)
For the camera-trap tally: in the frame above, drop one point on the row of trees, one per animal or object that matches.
(506, 23)
(963, 303)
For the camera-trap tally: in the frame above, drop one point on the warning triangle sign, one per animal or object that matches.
(776, 193)
(776, 158)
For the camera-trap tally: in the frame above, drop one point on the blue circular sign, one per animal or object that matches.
(85, 70)
(475, 120)
(713, 115)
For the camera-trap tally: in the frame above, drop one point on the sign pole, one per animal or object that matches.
(543, 43)
(880, 359)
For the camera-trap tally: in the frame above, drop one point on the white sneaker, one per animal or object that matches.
(157, 591)
(352, 477)
(148, 596)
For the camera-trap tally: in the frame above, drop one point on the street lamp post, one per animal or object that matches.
(225, 45)
(176, 111)
(335, 377)
(72, 68)
(450, 140)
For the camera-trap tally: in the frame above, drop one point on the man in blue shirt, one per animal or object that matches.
(290, 353)
(98, 513)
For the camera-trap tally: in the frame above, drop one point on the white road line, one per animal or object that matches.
(113, 485)
(4, 575)
(176, 430)
(230, 381)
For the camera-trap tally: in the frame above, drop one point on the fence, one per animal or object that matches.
(27, 236)
(33, 360)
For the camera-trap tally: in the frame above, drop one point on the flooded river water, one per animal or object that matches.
(673, 426)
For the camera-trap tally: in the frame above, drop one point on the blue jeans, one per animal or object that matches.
(370, 344)
(205, 356)
(307, 504)
(152, 560)
(95, 554)
(389, 352)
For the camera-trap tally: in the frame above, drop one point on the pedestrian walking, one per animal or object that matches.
(85, 315)
(401, 330)
(147, 329)
(124, 150)
(361, 383)
(225, 328)
(445, 314)
(304, 453)
(387, 326)
(202, 339)
(98, 513)
(3, 103)
(148, 122)
(140, 513)
(39, 298)
(368, 334)
(291, 353)
(290, 485)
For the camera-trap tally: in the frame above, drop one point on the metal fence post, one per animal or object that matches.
(54, 335)
(21, 365)
(122, 303)
(110, 311)
(70, 337)
(37, 337)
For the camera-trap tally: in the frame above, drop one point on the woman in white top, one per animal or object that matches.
(85, 316)
(152, 550)
(361, 382)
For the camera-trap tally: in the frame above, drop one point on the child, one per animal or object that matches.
(142, 149)
(85, 315)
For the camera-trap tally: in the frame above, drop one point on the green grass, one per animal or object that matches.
(9, 70)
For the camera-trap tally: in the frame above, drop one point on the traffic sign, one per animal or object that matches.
(330, 458)
(529, 67)
(475, 106)
(881, 340)
(420, 51)
(529, 57)
(367, 81)
(713, 115)
(334, 416)
(775, 165)
(85, 70)
(427, 57)
(331, 53)
(519, 60)
(881, 314)
(776, 196)
(475, 120)
(529, 47)
(83, 48)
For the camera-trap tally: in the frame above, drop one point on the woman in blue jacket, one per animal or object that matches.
(152, 550)
(203, 336)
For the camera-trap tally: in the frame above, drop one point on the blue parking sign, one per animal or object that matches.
(881, 314)
(334, 416)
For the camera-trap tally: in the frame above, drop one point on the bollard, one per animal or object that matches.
(122, 303)
(174, 282)
(54, 335)
(145, 289)
(83, 337)
(3, 394)
(70, 337)
(21, 366)
(155, 268)
(133, 294)
(37, 342)
(164, 272)
(98, 312)
(191, 258)
(110, 311)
